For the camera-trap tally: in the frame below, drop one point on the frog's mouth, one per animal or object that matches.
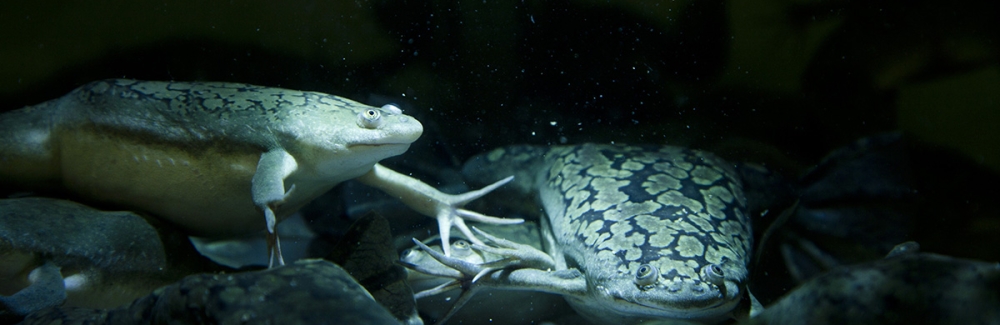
(632, 311)
(384, 140)
(384, 145)
(378, 150)
(716, 308)
(659, 303)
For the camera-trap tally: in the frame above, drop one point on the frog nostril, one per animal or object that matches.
(392, 108)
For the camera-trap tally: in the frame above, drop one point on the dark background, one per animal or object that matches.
(781, 83)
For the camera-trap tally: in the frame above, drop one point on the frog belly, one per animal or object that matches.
(205, 189)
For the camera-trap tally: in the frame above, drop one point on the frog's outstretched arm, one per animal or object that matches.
(427, 200)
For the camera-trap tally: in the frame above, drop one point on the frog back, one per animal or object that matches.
(651, 226)
(641, 204)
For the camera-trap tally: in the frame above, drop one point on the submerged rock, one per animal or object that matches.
(306, 292)
(906, 287)
(86, 257)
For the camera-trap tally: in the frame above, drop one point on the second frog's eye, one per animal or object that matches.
(713, 274)
(370, 119)
(646, 275)
(461, 248)
(408, 255)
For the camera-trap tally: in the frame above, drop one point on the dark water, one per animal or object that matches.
(777, 83)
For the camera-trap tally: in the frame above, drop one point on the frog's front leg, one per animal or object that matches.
(268, 189)
(427, 200)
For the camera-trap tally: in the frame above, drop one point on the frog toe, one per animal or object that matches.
(515, 254)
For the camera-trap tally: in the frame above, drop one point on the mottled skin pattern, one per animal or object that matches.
(217, 159)
(658, 231)
(187, 152)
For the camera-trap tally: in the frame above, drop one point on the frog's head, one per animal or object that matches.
(653, 268)
(382, 130)
(344, 136)
(661, 287)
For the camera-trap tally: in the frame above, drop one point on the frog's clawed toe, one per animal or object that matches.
(274, 250)
(455, 216)
(510, 255)
(515, 254)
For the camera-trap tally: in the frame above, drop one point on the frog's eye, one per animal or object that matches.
(408, 255)
(461, 248)
(646, 275)
(713, 274)
(370, 119)
(392, 108)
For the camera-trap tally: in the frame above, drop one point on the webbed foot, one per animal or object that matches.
(451, 214)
